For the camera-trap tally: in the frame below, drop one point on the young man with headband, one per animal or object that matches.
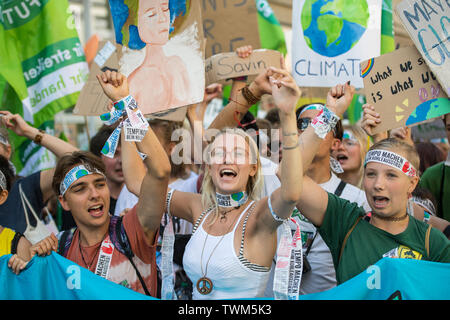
(102, 243)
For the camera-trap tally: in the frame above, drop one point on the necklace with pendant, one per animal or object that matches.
(205, 284)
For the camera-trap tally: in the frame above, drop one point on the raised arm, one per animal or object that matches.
(58, 147)
(283, 200)
(150, 207)
(314, 200)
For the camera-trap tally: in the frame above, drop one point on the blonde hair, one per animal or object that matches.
(255, 183)
(364, 145)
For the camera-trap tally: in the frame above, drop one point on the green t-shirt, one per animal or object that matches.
(367, 244)
(432, 179)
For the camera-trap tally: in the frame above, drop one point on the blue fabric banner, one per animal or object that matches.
(393, 279)
(56, 278)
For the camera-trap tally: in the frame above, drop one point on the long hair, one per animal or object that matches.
(255, 183)
(364, 145)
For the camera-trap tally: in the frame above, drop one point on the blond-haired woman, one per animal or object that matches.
(351, 153)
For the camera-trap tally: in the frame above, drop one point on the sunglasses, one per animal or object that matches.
(303, 123)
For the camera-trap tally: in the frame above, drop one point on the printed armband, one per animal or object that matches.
(274, 215)
(135, 125)
(324, 122)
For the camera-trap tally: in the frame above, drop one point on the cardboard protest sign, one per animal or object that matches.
(427, 22)
(162, 51)
(228, 25)
(331, 38)
(223, 66)
(92, 100)
(403, 89)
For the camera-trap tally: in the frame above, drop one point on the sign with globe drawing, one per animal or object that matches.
(331, 37)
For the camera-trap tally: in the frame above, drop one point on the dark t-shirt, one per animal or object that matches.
(12, 214)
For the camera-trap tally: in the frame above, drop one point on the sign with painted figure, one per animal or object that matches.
(224, 66)
(331, 38)
(230, 24)
(428, 24)
(44, 67)
(403, 90)
(162, 51)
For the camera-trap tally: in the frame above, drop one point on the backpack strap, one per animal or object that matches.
(65, 240)
(427, 240)
(119, 238)
(15, 242)
(346, 237)
(340, 188)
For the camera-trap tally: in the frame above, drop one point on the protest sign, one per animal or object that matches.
(402, 89)
(224, 66)
(162, 51)
(331, 38)
(228, 25)
(427, 22)
(92, 100)
(43, 64)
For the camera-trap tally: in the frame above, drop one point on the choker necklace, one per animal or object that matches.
(391, 218)
(231, 200)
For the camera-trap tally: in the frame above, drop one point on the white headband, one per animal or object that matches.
(74, 174)
(391, 159)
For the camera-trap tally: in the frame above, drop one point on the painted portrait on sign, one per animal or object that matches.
(162, 53)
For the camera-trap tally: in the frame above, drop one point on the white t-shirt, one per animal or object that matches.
(127, 199)
(322, 275)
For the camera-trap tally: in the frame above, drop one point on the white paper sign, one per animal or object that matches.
(331, 38)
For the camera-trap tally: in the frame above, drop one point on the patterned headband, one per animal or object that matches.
(391, 159)
(74, 174)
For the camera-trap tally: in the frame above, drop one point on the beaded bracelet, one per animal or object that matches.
(249, 96)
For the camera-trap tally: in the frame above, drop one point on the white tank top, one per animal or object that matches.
(233, 276)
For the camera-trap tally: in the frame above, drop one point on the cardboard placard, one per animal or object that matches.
(228, 25)
(92, 100)
(223, 66)
(403, 90)
(427, 22)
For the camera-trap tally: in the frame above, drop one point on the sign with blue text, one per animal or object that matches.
(428, 24)
(331, 38)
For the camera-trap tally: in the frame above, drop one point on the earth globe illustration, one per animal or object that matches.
(331, 28)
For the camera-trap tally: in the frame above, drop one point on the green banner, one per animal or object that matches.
(43, 69)
(270, 31)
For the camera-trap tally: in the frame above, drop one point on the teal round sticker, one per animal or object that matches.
(237, 196)
(81, 173)
(105, 149)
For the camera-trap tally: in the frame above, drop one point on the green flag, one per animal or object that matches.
(44, 67)
(270, 32)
